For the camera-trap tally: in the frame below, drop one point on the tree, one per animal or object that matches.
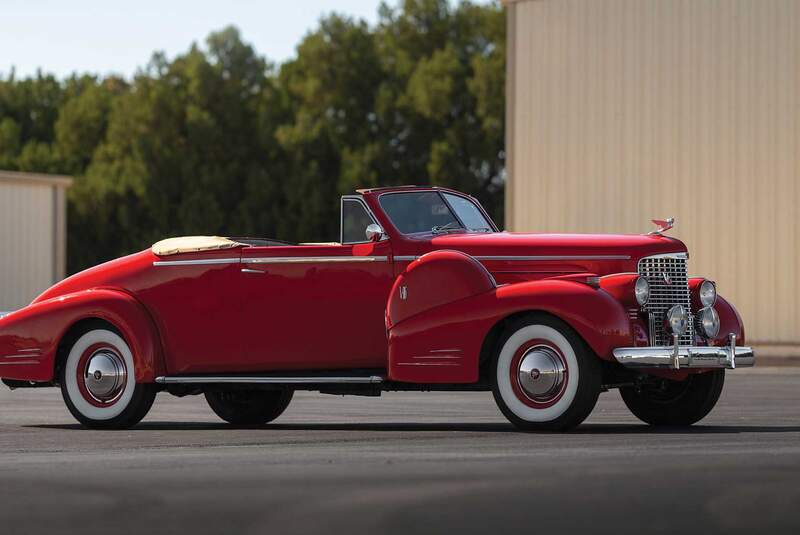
(219, 141)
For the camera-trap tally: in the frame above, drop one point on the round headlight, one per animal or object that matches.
(677, 319)
(708, 321)
(708, 293)
(642, 291)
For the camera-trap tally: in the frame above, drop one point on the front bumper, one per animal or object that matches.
(677, 357)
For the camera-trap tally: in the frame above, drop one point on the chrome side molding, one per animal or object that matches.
(530, 258)
(311, 259)
(268, 379)
(201, 262)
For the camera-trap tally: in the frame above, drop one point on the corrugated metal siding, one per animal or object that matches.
(625, 110)
(27, 227)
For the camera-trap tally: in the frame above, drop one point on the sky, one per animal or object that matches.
(112, 36)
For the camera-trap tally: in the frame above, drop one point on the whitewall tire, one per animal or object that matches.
(544, 375)
(98, 382)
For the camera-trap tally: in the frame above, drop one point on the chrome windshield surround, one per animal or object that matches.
(416, 189)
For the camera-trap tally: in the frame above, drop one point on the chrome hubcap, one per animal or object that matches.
(541, 373)
(105, 375)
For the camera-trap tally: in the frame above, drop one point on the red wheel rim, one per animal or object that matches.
(91, 357)
(544, 351)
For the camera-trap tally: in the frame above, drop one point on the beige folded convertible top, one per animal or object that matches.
(192, 244)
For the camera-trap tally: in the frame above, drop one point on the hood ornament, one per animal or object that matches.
(663, 226)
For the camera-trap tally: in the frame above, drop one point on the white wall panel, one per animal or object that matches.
(32, 235)
(626, 110)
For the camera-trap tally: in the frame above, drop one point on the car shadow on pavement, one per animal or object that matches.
(588, 429)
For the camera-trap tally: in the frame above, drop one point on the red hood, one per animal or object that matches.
(518, 244)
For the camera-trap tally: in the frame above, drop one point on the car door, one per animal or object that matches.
(193, 300)
(317, 306)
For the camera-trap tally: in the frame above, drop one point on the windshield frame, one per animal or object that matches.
(440, 191)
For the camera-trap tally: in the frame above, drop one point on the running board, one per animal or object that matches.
(267, 379)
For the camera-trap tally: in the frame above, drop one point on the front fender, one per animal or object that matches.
(37, 330)
(443, 344)
(730, 322)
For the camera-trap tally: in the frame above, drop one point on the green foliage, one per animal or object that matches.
(219, 141)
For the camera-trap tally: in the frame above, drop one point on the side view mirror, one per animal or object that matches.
(374, 232)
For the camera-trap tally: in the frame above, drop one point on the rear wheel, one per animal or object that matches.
(98, 382)
(546, 377)
(248, 407)
(675, 402)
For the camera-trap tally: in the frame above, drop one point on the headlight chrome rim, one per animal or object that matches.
(708, 321)
(641, 291)
(677, 320)
(708, 293)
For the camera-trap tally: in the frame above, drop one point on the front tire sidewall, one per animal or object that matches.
(697, 400)
(127, 409)
(583, 377)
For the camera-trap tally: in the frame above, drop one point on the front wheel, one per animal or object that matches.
(248, 407)
(546, 377)
(679, 403)
(98, 382)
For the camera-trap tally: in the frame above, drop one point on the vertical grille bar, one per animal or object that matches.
(669, 286)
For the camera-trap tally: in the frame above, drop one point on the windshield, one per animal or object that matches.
(468, 212)
(429, 211)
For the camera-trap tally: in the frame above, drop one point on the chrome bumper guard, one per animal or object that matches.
(677, 357)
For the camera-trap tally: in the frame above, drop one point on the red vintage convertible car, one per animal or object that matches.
(421, 293)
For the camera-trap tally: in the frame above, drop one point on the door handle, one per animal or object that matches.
(248, 270)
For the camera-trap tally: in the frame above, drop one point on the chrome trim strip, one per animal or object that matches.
(27, 356)
(233, 379)
(531, 258)
(312, 259)
(554, 257)
(687, 357)
(428, 364)
(19, 363)
(30, 350)
(207, 261)
(445, 351)
(436, 357)
(678, 256)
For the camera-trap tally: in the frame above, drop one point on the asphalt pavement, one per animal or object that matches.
(405, 463)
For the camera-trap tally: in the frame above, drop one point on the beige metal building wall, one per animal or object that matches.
(32, 235)
(620, 111)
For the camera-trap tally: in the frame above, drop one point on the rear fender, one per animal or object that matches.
(442, 343)
(37, 330)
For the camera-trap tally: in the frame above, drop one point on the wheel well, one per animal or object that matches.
(77, 330)
(489, 346)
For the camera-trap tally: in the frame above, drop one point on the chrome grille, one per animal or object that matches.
(666, 292)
